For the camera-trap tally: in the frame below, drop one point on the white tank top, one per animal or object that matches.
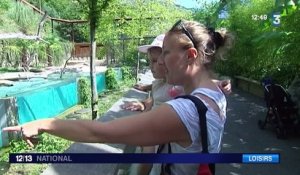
(187, 112)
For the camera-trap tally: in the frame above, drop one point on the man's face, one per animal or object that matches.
(157, 70)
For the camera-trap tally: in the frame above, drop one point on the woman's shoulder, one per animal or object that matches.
(214, 94)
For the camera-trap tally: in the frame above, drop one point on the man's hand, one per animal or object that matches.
(225, 86)
(144, 88)
(133, 106)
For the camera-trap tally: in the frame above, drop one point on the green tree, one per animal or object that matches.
(209, 12)
(262, 49)
(127, 24)
(95, 9)
(66, 9)
(15, 17)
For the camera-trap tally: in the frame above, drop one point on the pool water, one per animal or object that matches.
(31, 84)
(39, 98)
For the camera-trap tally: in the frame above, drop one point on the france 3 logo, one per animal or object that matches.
(276, 19)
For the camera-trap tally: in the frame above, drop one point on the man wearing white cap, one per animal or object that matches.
(157, 42)
(161, 91)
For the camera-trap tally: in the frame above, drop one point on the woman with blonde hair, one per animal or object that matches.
(189, 50)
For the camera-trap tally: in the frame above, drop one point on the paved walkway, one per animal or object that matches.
(242, 135)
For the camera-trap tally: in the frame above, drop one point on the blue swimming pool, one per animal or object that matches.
(28, 101)
(40, 98)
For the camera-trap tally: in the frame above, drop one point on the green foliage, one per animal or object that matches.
(109, 97)
(8, 69)
(128, 52)
(101, 53)
(65, 9)
(19, 18)
(25, 17)
(4, 5)
(208, 13)
(262, 49)
(58, 49)
(111, 80)
(51, 144)
(84, 92)
(46, 144)
(12, 50)
(126, 73)
(133, 20)
(7, 24)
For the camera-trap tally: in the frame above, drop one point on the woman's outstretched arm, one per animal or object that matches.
(161, 125)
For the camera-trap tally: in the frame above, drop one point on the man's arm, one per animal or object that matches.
(145, 88)
(224, 85)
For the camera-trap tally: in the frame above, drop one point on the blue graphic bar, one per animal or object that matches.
(131, 158)
(260, 158)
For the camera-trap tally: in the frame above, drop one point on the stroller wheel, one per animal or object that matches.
(281, 133)
(261, 124)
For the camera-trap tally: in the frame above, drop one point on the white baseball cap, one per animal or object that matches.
(157, 42)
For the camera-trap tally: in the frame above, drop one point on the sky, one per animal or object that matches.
(191, 3)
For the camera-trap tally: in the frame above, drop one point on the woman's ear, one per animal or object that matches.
(192, 54)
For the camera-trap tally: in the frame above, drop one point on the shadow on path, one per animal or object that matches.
(242, 135)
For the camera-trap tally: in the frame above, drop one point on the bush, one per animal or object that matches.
(126, 73)
(84, 92)
(111, 80)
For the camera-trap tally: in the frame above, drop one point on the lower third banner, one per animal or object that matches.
(143, 158)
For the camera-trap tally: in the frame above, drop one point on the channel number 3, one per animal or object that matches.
(276, 19)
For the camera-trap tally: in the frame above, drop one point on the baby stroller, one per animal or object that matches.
(281, 112)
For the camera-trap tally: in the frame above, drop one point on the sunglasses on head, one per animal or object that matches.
(185, 31)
